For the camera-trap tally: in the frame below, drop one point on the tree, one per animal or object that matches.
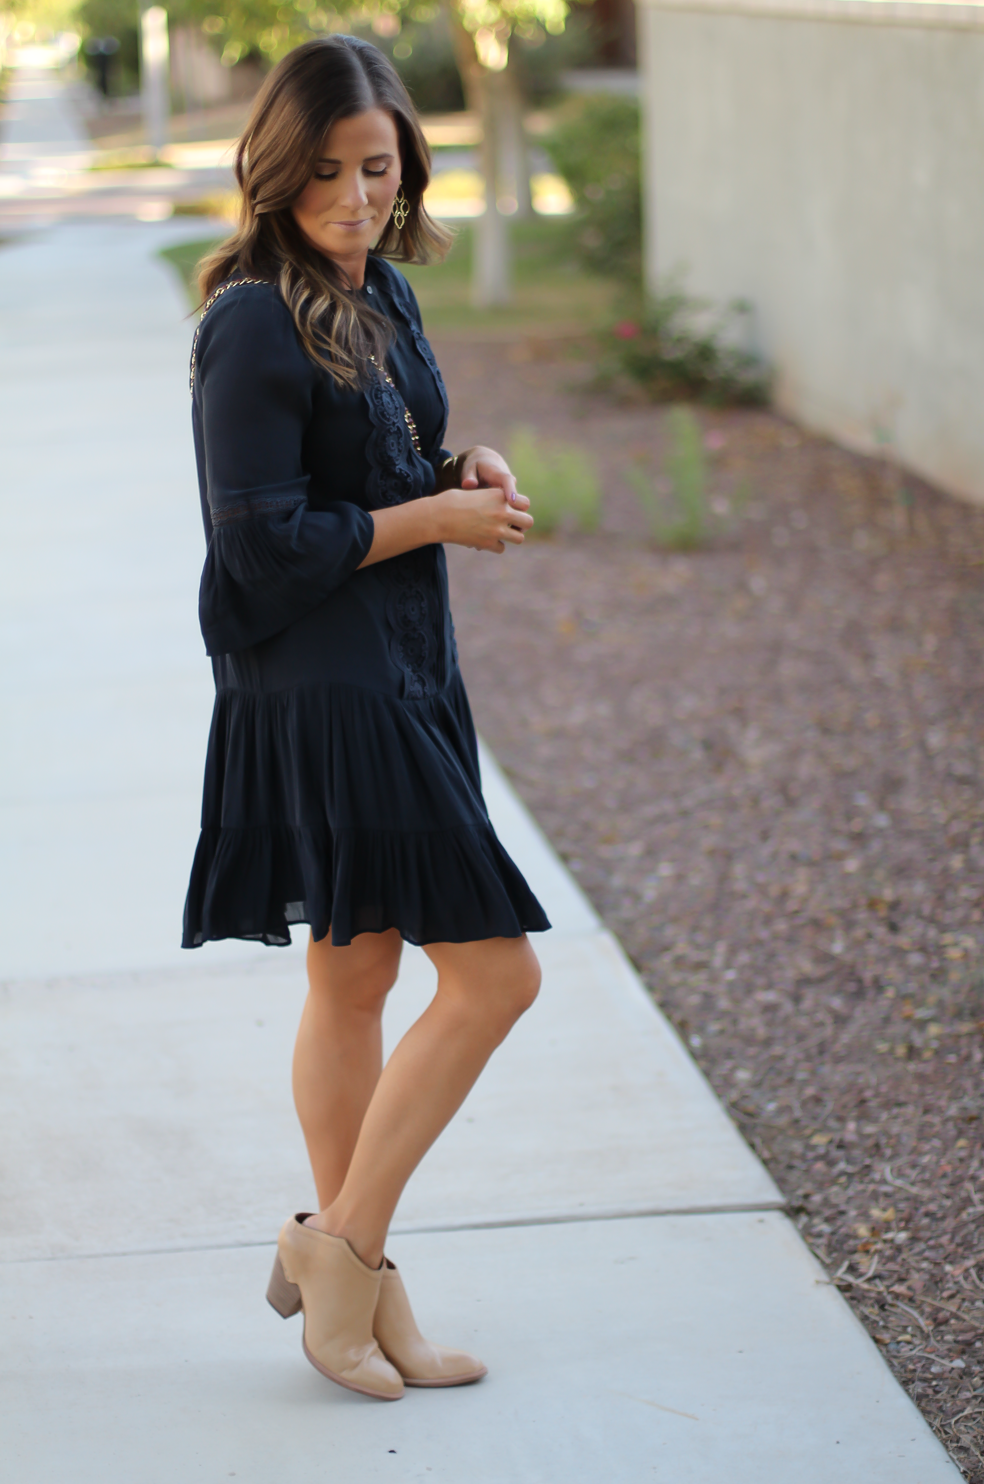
(482, 31)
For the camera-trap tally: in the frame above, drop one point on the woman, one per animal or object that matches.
(342, 785)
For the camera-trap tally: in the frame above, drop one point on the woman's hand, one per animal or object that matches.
(485, 511)
(483, 468)
(484, 519)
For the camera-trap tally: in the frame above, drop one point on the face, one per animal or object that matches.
(347, 202)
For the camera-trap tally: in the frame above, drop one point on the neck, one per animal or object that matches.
(354, 267)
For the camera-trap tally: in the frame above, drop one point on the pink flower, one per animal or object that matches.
(715, 439)
(626, 329)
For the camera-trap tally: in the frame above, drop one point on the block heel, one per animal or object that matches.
(339, 1296)
(283, 1295)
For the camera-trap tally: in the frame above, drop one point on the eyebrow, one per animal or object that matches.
(330, 160)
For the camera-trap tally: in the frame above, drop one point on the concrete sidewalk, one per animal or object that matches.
(47, 160)
(42, 136)
(591, 1224)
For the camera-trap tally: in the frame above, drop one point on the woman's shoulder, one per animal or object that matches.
(248, 301)
(247, 318)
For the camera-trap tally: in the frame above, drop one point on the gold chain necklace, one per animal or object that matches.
(407, 414)
(234, 283)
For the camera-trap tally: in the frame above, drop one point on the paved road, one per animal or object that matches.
(592, 1224)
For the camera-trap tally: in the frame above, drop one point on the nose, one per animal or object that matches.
(353, 192)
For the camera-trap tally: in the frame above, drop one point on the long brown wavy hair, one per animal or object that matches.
(321, 81)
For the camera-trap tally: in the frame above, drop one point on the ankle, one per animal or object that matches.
(366, 1248)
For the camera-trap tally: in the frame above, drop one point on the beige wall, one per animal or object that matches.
(826, 162)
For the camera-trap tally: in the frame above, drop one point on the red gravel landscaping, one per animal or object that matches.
(762, 761)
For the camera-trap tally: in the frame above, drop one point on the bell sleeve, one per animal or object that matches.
(270, 558)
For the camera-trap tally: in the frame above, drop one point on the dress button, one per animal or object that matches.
(368, 288)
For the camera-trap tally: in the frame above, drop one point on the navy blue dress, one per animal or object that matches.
(341, 784)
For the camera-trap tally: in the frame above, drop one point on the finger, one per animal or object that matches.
(469, 473)
(519, 520)
(497, 478)
(493, 475)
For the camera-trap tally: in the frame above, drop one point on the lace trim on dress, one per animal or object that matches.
(413, 613)
(269, 506)
(411, 606)
(392, 479)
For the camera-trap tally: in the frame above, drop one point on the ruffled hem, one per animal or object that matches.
(354, 812)
(439, 886)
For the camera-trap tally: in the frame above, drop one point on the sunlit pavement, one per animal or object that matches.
(50, 171)
(592, 1225)
(47, 160)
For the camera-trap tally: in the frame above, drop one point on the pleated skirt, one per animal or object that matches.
(353, 811)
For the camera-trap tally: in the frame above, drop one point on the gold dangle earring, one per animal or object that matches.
(401, 210)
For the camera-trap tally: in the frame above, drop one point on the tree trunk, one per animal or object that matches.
(485, 95)
(491, 262)
(155, 93)
(515, 163)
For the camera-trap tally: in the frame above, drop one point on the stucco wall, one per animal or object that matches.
(830, 168)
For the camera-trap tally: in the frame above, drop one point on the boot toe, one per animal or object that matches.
(371, 1374)
(376, 1377)
(444, 1367)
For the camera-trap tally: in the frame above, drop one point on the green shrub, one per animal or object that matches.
(675, 347)
(676, 350)
(687, 525)
(595, 147)
(560, 481)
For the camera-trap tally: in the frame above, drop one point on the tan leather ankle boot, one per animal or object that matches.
(338, 1294)
(418, 1361)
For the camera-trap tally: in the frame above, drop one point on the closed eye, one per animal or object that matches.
(333, 174)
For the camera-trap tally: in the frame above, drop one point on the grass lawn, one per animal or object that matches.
(552, 293)
(183, 258)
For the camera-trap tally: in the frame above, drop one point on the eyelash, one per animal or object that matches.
(334, 174)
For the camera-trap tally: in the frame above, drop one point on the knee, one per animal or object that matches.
(526, 987)
(357, 978)
(486, 987)
(514, 995)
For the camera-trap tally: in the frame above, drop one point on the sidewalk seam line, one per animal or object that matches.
(417, 1231)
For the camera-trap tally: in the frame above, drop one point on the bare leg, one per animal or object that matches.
(482, 989)
(339, 1051)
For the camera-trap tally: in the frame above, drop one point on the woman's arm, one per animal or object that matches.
(485, 519)
(271, 559)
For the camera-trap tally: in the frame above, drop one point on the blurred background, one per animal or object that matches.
(115, 110)
(716, 291)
